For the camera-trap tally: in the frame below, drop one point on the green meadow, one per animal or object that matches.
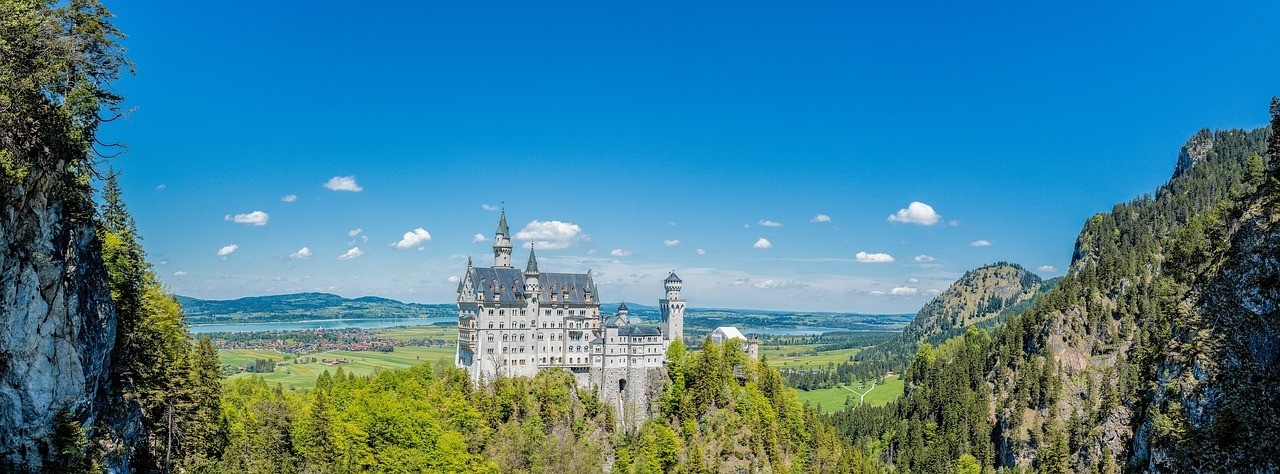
(832, 399)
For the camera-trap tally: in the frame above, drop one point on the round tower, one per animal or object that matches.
(502, 243)
(672, 323)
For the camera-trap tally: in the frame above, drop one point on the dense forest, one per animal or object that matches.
(1122, 365)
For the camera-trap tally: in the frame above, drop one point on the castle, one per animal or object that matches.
(516, 323)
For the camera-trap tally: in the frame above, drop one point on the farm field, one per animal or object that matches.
(294, 376)
(832, 399)
(801, 356)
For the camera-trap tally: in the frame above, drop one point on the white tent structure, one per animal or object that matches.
(725, 333)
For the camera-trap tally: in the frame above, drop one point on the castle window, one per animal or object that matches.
(490, 324)
(502, 312)
(522, 338)
(502, 325)
(490, 350)
(504, 350)
(490, 337)
(504, 338)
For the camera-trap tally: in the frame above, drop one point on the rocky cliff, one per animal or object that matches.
(58, 327)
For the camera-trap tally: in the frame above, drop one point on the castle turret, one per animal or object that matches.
(672, 323)
(531, 275)
(502, 243)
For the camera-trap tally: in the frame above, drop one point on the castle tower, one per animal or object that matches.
(672, 323)
(531, 276)
(502, 243)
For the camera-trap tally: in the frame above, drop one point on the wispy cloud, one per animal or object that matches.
(904, 291)
(620, 253)
(302, 254)
(769, 223)
(413, 238)
(354, 232)
(355, 252)
(227, 250)
(922, 258)
(1047, 269)
(701, 252)
(255, 218)
(289, 198)
(475, 239)
(981, 243)
(179, 273)
(770, 284)
(454, 279)
(821, 218)
(343, 183)
(916, 213)
(553, 235)
(489, 207)
(864, 257)
(161, 187)
(763, 243)
(671, 242)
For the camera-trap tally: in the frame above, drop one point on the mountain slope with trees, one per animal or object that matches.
(1141, 358)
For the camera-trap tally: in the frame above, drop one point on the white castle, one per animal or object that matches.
(516, 323)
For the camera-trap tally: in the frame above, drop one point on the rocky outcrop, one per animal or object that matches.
(57, 327)
(1220, 383)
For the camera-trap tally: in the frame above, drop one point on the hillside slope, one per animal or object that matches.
(982, 297)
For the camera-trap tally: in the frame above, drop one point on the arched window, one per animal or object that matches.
(502, 325)
(522, 338)
(491, 338)
(490, 324)
(504, 338)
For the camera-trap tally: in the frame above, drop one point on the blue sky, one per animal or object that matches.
(656, 136)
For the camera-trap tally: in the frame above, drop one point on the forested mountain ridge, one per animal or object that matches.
(301, 306)
(1143, 357)
(982, 297)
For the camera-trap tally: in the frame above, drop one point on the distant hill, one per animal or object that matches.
(304, 306)
(984, 297)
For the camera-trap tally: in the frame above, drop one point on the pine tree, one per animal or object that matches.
(1273, 144)
(204, 431)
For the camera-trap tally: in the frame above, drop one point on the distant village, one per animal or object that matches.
(317, 340)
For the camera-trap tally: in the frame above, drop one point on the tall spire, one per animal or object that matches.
(502, 223)
(532, 267)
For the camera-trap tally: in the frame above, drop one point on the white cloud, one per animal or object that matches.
(1047, 269)
(289, 198)
(769, 223)
(913, 280)
(489, 207)
(741, 281)
(916, 213)
(355, 252)
(302, 254)
(904, 291)
(620, 253)
(413, 238)
(343, 183)
(255, 218)
(934, 291)
(552, 235)
(863, 257)
(922, 258)
(770, 283)
(475, 239)
(160, 187)
(701, 252)
(763, 243)
(821, 218)
(454, 279)
(746, 226)
(671, 242)
(354, 232)
(227, 250)
(877, 293)
(981, 243)
(179, 273)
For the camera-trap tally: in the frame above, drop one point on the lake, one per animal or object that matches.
(370, 323)
(795, 331)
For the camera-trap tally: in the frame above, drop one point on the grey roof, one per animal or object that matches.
(673, 278)
(508, 282)
(632, 331)
(622, 306)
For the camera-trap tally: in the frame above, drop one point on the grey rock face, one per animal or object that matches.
(57, 325)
